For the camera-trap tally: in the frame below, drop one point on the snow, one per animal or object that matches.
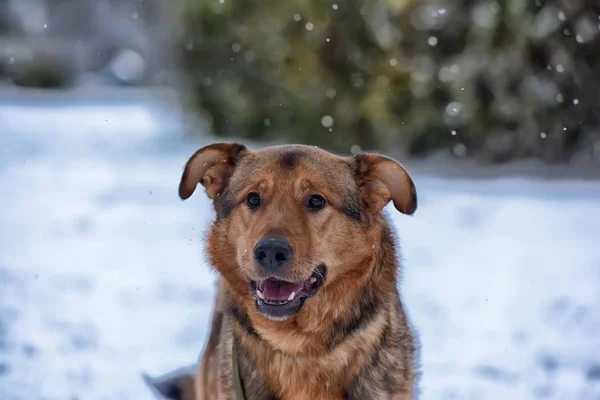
(103, 274)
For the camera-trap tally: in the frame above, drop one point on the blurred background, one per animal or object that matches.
(491, 105)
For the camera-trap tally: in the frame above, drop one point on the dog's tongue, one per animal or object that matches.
(275, 289)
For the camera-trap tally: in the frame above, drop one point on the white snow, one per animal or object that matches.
(103, 275)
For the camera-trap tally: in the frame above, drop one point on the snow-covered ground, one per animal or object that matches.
(102, 273)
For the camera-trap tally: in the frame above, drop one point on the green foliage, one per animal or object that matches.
(496, 80)
(42, 69)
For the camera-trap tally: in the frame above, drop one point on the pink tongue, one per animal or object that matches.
(274, 289)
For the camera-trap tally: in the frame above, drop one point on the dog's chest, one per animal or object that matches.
(306, 380)
(291, 378)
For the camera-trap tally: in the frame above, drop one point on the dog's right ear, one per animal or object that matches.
(211, 166)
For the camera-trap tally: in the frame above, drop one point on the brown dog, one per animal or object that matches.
(307, 304)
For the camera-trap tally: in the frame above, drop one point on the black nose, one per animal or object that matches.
(273, 253)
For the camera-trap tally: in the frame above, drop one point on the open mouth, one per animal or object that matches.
(279, 299)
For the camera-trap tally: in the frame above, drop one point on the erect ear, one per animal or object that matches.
(211, 166)
(382, 179)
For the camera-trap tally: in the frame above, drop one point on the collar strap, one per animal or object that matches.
(237, 379)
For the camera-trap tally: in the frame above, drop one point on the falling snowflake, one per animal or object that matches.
(459, 149)
(453, 108)
(327, 121)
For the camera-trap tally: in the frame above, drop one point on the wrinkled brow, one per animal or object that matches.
(334, 178)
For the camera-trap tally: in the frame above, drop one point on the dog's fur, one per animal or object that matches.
(350, 341)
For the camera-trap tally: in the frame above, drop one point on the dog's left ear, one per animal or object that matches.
(381, 180)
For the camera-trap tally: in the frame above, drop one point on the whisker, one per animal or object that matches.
(316, 271)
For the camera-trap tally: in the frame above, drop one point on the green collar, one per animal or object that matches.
(237, 379)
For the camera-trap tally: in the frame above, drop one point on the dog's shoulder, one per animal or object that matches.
(390, 368)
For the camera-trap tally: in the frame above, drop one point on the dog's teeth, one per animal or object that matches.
(260, 294)
(292, 295)
(312, 280)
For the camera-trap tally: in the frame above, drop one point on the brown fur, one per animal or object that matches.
(352, 340)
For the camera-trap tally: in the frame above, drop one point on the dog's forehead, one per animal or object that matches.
(290, 156)
(285, 162)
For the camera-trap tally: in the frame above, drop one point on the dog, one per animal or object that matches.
(307, 303)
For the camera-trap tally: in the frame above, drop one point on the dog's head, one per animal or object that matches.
(292, 221)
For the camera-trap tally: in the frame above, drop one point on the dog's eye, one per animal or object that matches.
(253, 200)
(316, 202)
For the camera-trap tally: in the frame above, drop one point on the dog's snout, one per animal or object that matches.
(273, 253)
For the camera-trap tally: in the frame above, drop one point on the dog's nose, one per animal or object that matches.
(273, 253)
